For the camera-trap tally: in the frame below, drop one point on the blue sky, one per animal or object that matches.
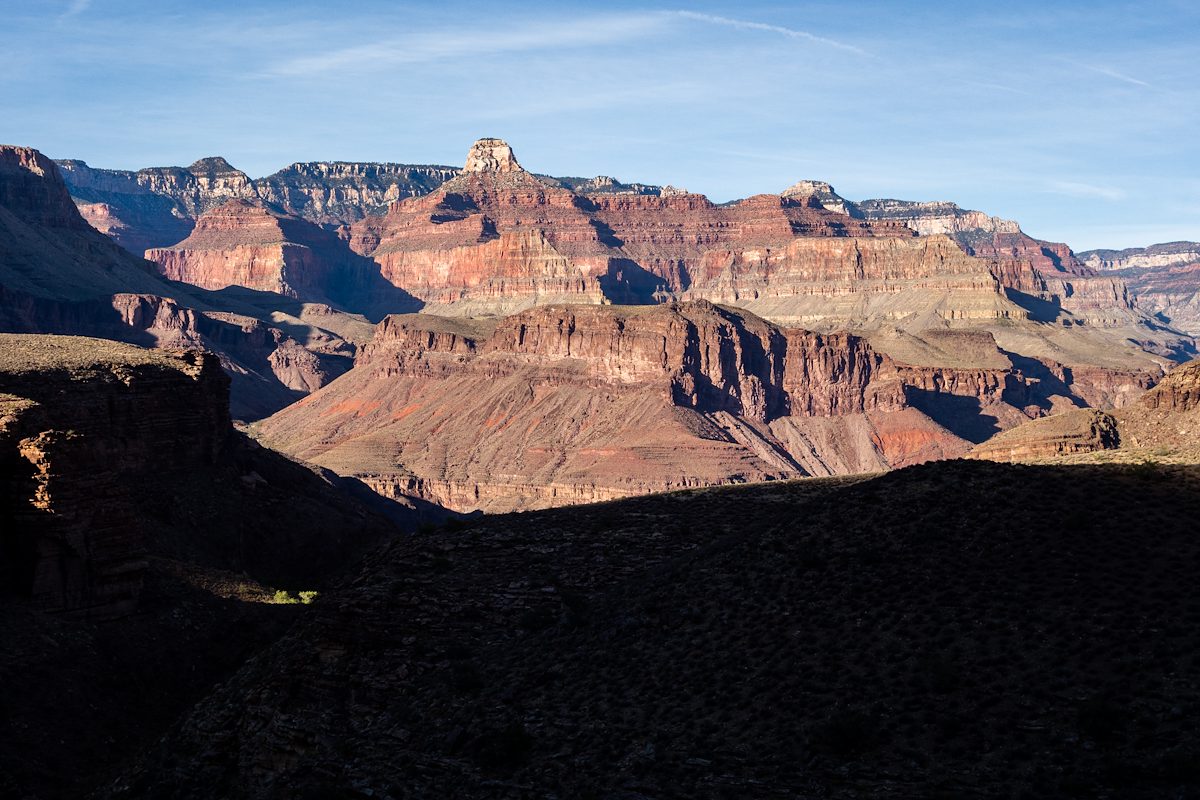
(1078, 119)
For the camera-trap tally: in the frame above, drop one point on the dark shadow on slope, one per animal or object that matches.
(962, 416)
(24, 313)
(627, 283)
(1039, 310)
(1040, 385)
(956, 619)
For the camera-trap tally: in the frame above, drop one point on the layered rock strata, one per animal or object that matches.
(158, 206)
(1165, 279)
(59, 275)
(562, 404)
(1162, 423)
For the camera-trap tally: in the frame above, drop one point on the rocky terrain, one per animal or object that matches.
(962, 325)
(247, 244)
(567, 404)
(1163, 425)
(59, 275)
(158, 206)
(1165, 278)
(143, 544)
(1155, 256)
(571, 404)
(940, 631)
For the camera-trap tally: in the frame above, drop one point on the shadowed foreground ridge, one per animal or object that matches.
(141, 543)
(956, 629)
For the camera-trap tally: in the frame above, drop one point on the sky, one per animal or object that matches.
(1078, 119)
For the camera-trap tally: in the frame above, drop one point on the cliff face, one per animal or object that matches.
(493, 239)
(499, 239)
(158, 206)
(152, 207)
(337, 193)
(1045, 278)
(82, 420)
(1165, 279)
(562, 404)
(59, 275)
(1159, 423)
(1168, 254)
(928, 219)
(140, 532)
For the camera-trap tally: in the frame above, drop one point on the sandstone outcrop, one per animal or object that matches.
(1163, 422)
(1080, 431)
(562, 404)
(495, 239)
(1164, 278)
(158, 206)
(1168, 254)
(332, 194)
(59, 275)
(936, 217)
(1045, 278)
(246, 244)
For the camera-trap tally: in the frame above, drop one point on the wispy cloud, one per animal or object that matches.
(1111, 73)
(75, 8)
(999, 87)
(762, 26)
(438, 45)
(1085, 190)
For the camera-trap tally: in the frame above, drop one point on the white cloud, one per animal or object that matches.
(762, 26)
(438, 45)
(76, 7)
(1111, 73)
(1085, 190)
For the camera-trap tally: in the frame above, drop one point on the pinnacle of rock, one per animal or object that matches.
(491, 155)
(807, 189)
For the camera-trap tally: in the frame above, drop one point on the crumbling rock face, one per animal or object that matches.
(81, 420)
(1080, 431)
(59, 275)
(572, 403)
(158, 206)
(1178, 391)
(1165, 279)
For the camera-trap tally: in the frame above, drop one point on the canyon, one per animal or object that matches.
(60, 275)
(247, 555)
(488, 338)
(1162, 425)
(1165, 278)
(563, 404)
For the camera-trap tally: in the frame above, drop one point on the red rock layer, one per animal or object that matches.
(245, 244)
(502, 235)
(570, 403)
(1050, 272)
(59, 275)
